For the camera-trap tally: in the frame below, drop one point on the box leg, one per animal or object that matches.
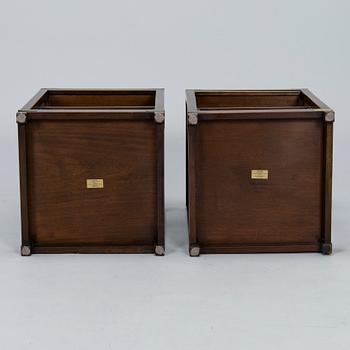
(195, 250)
(26, 250)
(326, 248)
(159, 250)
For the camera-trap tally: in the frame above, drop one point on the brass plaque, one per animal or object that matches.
(94, 183)
(259, 174)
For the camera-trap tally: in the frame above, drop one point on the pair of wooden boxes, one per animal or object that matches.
(259, 169)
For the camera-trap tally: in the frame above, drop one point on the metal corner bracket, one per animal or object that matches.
(195, 250)
(21, 117)
(159, 117)
(159, 250)
(26, 250)
(329, 117)
(192, 118)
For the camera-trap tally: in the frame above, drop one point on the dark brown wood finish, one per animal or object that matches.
(23, 183)
(159, 118)
(60, 149)
(231, 133)
(328, 161)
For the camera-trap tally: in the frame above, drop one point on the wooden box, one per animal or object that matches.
(259, 171)
(91, 171)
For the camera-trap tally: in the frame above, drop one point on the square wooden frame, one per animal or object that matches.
(30, 112)
(195, 115)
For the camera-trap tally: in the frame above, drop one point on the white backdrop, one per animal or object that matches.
(143, 302)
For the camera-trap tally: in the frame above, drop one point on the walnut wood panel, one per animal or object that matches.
(285, 208)
(63, 154)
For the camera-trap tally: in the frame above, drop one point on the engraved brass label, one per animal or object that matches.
(258, 174)
(94, 183)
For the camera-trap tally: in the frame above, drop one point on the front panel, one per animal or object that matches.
(259, 181)
(91, 182)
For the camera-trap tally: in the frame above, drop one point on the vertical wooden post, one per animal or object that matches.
(160, 244)
(192, 120)
(326, 247)
(26, 243)
(159, 118)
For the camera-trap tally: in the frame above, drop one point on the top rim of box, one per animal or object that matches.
(80, 100)
(205, 101)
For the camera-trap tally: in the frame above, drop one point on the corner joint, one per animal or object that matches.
(329, 117)
(21, 117)
(192, 118)
(159, 117)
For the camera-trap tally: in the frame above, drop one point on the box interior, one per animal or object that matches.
(90, 99)
(288, 99)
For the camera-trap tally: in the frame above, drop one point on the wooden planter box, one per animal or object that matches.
(259, 172)
(91, 171)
